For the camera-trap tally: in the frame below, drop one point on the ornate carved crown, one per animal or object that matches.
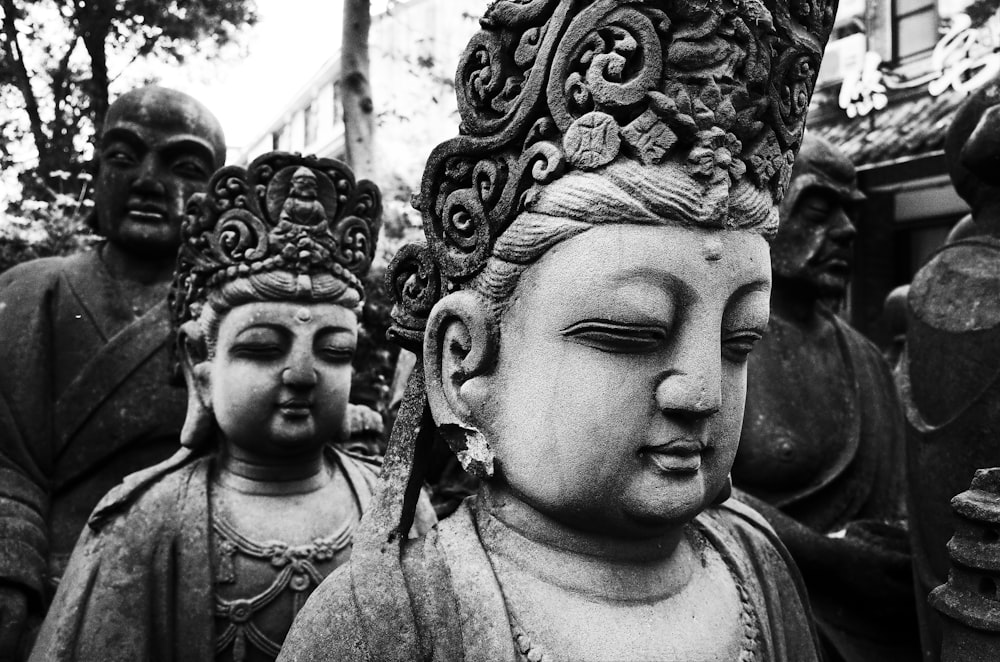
(715, 91)
(285, 212)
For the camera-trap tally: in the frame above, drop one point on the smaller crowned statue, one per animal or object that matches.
(211, 554)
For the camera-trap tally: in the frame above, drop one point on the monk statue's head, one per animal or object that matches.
(973, 152)
(812, 251)
(157, 148)
(596, 268)
(266, 309)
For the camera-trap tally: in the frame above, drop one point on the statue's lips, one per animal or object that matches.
(678, 456)
(836, 260)
(146, 213)
(296, 408)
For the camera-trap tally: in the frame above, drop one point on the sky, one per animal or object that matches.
(291, 41)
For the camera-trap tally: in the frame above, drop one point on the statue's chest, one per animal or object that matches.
(711, 619)
(801, 414)
(261, 585)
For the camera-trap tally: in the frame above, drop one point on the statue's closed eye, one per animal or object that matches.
(610, 336)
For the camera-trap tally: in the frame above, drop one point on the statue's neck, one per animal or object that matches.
(143, 270)
(251, 473)
(604, 567)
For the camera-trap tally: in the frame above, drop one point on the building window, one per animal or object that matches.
(915, 28)
(278, 139)
(337, 109)
(310, 123)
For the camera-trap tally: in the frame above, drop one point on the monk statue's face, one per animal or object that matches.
(617, 399)
(280, 376)
(158, 147)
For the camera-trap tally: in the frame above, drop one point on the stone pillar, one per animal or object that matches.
(970, 602)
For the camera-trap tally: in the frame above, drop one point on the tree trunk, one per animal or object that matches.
(94, 27)
(359, 119)
(23, 79)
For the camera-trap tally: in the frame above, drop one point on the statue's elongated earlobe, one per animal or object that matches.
(199, 423)
(460, 346)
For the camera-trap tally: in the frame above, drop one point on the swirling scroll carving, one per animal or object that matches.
(286, 211)
(719, 87)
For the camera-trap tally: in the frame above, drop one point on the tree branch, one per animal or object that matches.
(16, 56)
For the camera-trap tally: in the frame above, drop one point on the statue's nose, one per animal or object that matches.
(687, 395)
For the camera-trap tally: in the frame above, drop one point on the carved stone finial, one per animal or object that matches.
(285, 212)
(970, 601)
(713, 93)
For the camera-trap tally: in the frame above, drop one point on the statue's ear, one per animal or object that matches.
(192, 348)
(460, 352)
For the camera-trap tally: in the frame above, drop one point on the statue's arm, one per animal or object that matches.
(24, 493)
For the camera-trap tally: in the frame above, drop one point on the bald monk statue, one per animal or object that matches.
(84, 388)
(821, 448)
(950, 373)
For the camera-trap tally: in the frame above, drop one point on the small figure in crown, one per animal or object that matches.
(302, 207)
(210, 554)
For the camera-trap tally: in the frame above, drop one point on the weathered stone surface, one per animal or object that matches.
(84, 393)
(950, 376)
(595, 275)
(822, 442)
(969, 603)
(210, 554)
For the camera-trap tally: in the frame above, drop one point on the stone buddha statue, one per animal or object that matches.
(822, 437)
(85, 397)
(950, 373)
(595, 275)
(210, 554)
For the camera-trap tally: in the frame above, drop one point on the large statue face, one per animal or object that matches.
(280, 375)
(617, 400)
(814, 243)
(158, 148)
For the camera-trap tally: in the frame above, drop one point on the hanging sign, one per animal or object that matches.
(965, 58)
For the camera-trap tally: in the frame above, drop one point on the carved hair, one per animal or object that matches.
(625, 192)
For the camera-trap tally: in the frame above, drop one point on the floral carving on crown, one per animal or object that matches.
(720, 87)
(285, 212)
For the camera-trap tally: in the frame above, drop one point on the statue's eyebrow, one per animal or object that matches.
(177, 145)
(118, 134)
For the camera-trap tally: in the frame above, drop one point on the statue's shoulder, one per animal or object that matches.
(329, 626)
(155, 491)
(735, 515)
(961, 276)
(370, 463)
(40, 273)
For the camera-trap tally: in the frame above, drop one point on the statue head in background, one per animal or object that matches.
(157, 148)
(972, 147)
(266, 303)
(812, 251)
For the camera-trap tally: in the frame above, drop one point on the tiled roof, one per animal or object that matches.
(909, 126)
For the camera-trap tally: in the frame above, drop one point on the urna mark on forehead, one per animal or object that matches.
(167, 111)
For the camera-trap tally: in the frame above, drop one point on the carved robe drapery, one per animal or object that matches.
(459, 611)
(140, 583)
(84, 401)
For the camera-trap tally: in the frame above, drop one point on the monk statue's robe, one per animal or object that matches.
(147, 577)
(84, 400)
(459, 611)
(822, 448)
